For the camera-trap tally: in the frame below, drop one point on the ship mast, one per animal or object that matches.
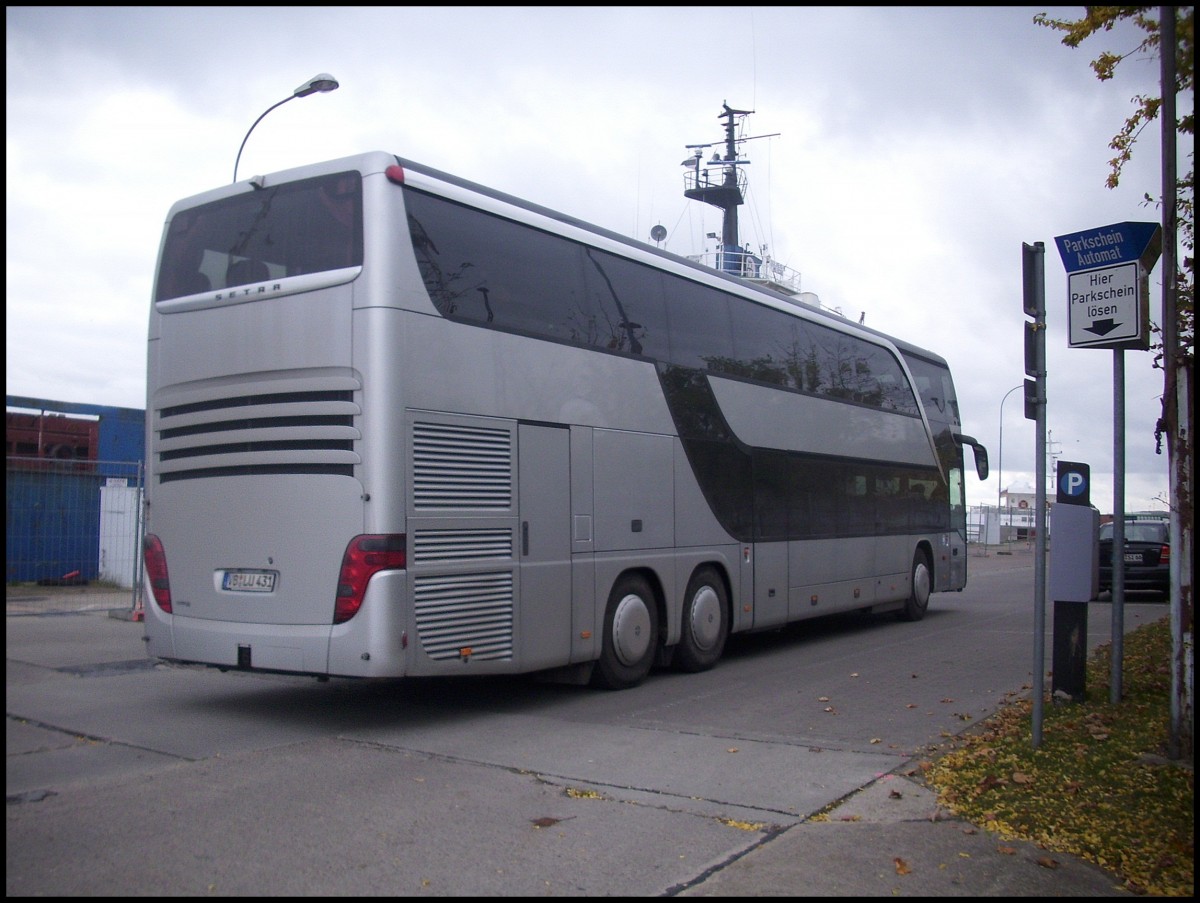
(721, 183)
(727, 191)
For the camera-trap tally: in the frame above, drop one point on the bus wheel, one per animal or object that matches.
(630, 635)
(705, 623)
(918, 597)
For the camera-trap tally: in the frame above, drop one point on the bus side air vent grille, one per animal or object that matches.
(457, 466)
(447, 546)
(465, 611)
(253, 432)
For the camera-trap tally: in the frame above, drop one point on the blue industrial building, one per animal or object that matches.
(54, 488)
(122, 431)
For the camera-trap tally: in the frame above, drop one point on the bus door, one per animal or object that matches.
(957, 535)
(772, 477)
(544, 545)
(770, 584)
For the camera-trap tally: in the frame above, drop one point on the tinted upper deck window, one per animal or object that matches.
(504, 274)
(496, 272)
(482, 268)
(700, 325)
(630, 306)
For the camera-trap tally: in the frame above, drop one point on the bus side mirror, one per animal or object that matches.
(981, 455)
(981, 461)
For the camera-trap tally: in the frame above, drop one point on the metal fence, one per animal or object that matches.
(74, 523)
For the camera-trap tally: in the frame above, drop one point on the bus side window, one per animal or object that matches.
(764, 348)
(701, 327)
(629, 303)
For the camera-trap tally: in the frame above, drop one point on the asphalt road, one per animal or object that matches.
(124, 777)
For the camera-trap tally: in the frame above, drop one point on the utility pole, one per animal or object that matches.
(1177, 406)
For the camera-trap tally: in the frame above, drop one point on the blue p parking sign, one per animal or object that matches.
(1074, 483)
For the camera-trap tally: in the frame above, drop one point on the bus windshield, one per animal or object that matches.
(289, 229)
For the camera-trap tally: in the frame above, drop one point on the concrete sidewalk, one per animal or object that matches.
(33, 599)
(891, 839)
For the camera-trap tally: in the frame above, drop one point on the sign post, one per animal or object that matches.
(1108, 306)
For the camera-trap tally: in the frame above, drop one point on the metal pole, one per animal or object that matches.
(1035, 258)
(1118, 536)
(1176, 399)
(1000, 466)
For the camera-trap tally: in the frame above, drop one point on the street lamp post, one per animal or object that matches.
(320, 83)
(1000, 463)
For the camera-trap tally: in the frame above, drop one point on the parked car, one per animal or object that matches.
(1147, 554)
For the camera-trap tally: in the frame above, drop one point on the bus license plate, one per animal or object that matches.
(249, 581)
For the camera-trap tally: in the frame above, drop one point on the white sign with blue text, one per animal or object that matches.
(1108, 284)
(1104, 306)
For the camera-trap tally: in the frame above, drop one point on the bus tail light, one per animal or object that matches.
(365, 556)
(156, 570)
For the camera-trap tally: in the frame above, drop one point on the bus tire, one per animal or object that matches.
(917, 602)
(630, 635)
(705, 623)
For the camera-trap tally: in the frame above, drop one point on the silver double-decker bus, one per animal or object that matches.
(399, 424)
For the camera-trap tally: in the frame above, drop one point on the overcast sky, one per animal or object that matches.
(917, 150)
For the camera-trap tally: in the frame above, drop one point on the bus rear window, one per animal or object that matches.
(290, 229)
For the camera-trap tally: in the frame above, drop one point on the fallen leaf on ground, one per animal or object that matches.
(742, 825)
(583, 794)
(547, 821)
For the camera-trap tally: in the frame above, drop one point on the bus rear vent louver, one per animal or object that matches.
(304, 432)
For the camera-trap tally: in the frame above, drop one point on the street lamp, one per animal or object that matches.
(1000, 463)
(320, 83)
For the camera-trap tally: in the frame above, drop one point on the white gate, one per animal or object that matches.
(120, 510)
